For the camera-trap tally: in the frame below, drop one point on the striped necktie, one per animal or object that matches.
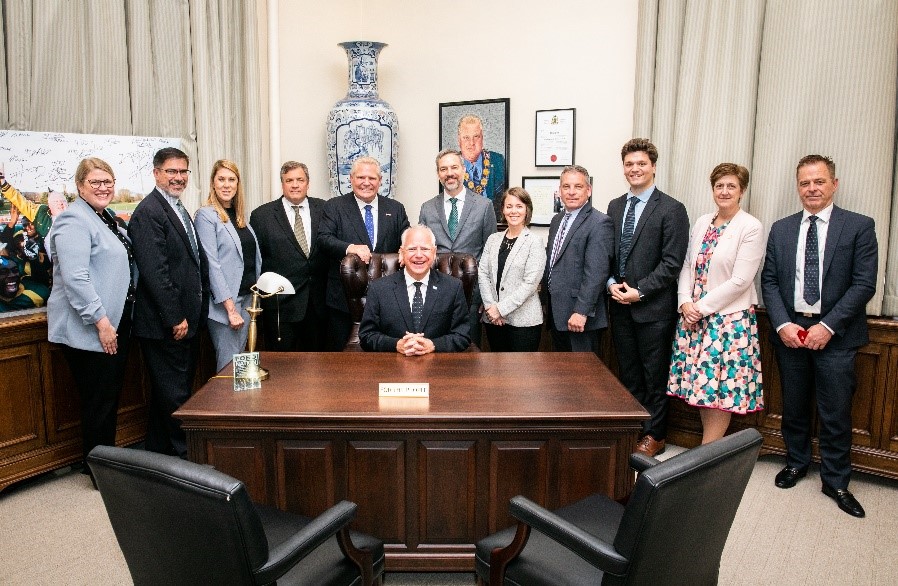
(626, 237)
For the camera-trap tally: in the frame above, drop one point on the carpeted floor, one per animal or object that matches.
(54, 530)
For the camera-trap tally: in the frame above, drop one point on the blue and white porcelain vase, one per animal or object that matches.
(361, 124)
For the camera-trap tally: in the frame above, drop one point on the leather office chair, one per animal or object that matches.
(672, 530)
(356, 275)
(183, 523)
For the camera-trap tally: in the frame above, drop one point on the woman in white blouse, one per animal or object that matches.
(510, 270)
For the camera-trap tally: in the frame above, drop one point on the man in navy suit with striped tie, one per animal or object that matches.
(578, 263)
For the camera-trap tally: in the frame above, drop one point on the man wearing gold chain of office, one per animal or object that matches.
(484, 170)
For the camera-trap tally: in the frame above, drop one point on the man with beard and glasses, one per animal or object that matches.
(172, 297)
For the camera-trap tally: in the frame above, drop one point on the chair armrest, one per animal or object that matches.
(641, 462)
(319, 530)
(586, 545)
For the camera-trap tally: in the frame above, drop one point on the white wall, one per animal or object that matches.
(541, 55)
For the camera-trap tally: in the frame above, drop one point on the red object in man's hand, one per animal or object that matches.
(802, 335)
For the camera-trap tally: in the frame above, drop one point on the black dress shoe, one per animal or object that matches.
(788, 476)
(845, 500)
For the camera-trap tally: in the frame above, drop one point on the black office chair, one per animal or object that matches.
(672, 530)
(183, 523)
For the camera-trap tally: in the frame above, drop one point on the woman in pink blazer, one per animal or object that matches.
(716, 362)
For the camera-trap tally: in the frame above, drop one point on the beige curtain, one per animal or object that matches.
(762, 83)
(177, 68)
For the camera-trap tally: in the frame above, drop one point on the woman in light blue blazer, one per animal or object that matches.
(234, 260)
(89, 310)
(510, 270)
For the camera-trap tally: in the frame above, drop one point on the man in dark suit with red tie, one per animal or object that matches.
(651, 234)
(287, 231)
(172, 297)
(360, 222)
(819, 274)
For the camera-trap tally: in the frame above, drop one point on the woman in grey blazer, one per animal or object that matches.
(510, 271)
(234, 260)
(89, 310)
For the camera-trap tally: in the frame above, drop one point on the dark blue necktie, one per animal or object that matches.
(417, 308)
(626, 237)
(369, 225)
(812, 264)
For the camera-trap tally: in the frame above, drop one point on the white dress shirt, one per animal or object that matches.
(460, 204)
(801, 306)
(304, 214)
(373, 204)
(410, 287)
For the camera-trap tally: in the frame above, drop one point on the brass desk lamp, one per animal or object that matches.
(268, 284)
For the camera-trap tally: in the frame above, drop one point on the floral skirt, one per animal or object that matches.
(717, 363)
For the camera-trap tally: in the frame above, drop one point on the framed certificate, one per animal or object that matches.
(555, 137)
(546, 200)
(544, 194)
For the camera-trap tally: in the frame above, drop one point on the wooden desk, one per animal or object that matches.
(430, 476)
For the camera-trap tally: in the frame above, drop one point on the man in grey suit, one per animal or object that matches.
(460, 219)
(651, 234)
(287, 231)
(360, 223)
(578, 262)
(418, 310)
(819, 274)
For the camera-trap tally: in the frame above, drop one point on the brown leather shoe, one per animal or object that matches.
(650, 446)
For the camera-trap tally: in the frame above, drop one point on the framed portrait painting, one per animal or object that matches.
(480, 130)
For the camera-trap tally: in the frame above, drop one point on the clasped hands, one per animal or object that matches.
(691, 314)
(492, 312)
(816, 339)
(414, 345)
(623, 293)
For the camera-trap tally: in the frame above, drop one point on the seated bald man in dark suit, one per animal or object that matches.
(418, 310)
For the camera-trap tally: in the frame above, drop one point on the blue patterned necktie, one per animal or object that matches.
(369, 225)
(475, 175)
(626, 238)
(453, 217)
(417, 308)
(188, 227)
(812, 264)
